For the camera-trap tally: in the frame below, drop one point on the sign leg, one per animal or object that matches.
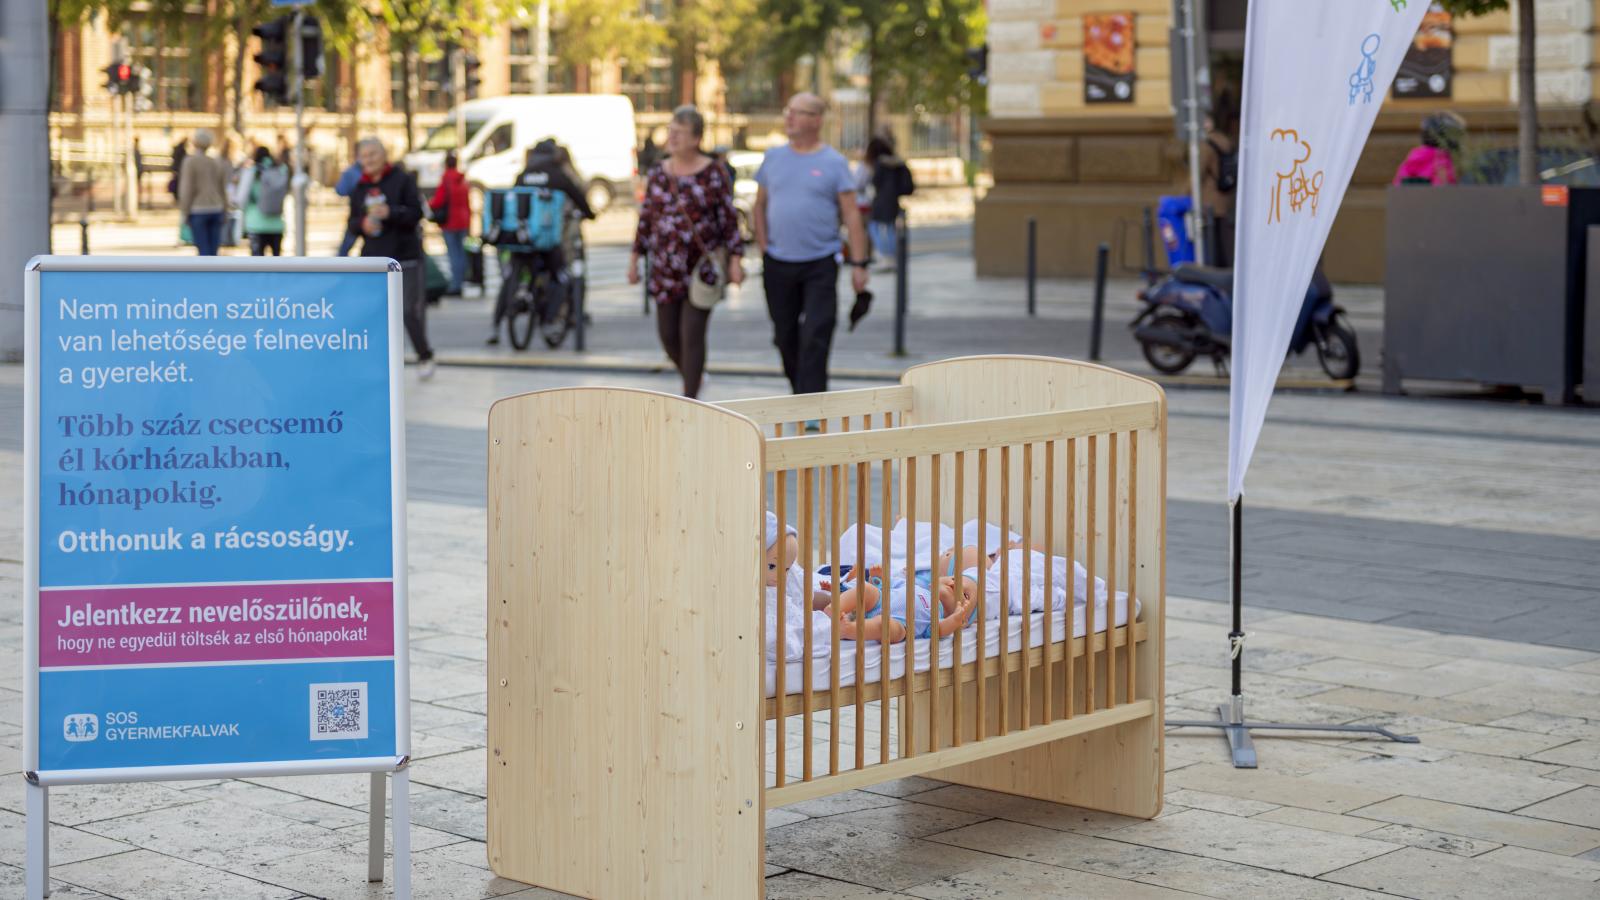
(375, 829)
(37, 878)
(402, 835)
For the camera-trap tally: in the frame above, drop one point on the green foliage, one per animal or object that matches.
(915, 49)
(1474, 7)
(591, 30)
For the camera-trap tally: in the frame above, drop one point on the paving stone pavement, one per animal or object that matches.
(1500, 798)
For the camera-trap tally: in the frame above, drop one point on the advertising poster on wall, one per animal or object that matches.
(1426, 69)
(218, 544)
(1108, 69)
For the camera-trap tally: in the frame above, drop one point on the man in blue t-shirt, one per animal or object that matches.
(806, 191)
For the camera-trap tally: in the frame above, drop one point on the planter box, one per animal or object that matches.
(1487, 284)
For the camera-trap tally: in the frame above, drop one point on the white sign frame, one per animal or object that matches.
(38, 783)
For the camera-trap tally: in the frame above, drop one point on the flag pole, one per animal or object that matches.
(1230, 715)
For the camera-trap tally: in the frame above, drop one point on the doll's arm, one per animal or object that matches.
(952, 623)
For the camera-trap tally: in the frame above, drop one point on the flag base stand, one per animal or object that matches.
(1230, 718)
(1230, 715)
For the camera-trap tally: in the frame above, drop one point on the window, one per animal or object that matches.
(520, 60)
(652, 89)
(498, 141)
(433, 84)
(178, 73)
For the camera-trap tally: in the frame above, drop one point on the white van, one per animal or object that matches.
(597, 129)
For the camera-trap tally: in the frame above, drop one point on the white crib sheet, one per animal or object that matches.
(794, 672)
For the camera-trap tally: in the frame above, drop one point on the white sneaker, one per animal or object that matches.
(426, 369)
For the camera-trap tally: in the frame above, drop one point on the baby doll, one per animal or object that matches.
(781, 555)
(958, 602)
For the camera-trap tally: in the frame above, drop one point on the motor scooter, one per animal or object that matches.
(1189, 313)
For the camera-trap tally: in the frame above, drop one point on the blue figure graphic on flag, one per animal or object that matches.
(1361, 78)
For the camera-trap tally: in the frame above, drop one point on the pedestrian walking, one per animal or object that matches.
(179, 151)
(386, 210)
(261, 192)
(890, 181)
(203, 194)
(1219, 178)
(690, 229)
(452, 209)
(344, 187)
(806, 191)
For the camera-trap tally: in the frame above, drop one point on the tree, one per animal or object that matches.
(595, 30)
(915, 49)
(1527, 103)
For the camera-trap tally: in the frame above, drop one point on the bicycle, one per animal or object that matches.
(529, 295)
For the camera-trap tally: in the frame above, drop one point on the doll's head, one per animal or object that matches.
(958, 589)
(783, 548)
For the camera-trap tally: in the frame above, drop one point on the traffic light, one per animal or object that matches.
(310, 48)
(470, 65)
(273, 59)
(121, 79)
(978, 63)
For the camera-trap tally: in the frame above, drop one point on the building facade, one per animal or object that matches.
(361, 93)
(1084, 157)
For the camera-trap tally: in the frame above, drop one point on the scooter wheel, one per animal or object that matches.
(1337, 350)
(1169, 358)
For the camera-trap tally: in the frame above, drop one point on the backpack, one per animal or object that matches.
(1227, 167)
(524, 218)
(272, 186)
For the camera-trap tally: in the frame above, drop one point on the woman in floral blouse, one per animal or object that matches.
(687, 212)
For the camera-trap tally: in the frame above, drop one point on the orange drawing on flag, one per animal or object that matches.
(1305, 187)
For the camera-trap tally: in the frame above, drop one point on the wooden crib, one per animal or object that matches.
(638, 730)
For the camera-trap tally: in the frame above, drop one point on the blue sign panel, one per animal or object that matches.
(216, 522)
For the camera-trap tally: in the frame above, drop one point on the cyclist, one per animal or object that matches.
(547, 165)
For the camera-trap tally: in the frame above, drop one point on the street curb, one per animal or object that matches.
(630, 366)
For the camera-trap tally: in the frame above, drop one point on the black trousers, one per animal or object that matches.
(260, 243)
(803, 300)
(414, 311)
(682, 328)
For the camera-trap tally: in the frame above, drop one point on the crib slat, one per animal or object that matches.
(833, 629)
(808, 569)
(1072, 568)
(1005, 585)
(1027, 582)
(1090, 487)
(863, 486)
(981, 724)
(1113, 509)
(779, 674)
(1133, 531)
(934, 608)
(887, 477)
(1049, 577)
(908, 744)
(955, 648)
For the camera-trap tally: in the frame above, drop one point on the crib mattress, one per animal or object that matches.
(821, 663)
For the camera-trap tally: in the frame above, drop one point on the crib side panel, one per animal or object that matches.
(624, 688)
(1118, 769)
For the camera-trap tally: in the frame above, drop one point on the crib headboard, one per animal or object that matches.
(624, 534)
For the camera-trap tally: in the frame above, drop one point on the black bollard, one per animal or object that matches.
(1033, 267)
(83, 234)
(902, 253)
(1100, 257)
(1149, 244)
(577, 312)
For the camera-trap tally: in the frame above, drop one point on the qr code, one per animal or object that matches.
(339, 711)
